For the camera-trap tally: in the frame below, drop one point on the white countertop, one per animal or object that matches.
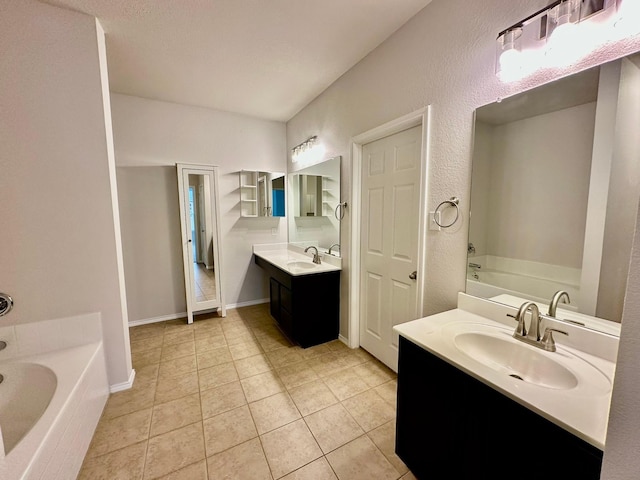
(582, 410)
(293, 260)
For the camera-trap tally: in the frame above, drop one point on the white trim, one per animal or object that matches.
(163, 318)
(344, 340)
(119, 387)
(115, 208)
(419, 117)
(248, 304)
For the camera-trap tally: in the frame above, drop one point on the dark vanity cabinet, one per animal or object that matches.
(306, 307)
(452, 426)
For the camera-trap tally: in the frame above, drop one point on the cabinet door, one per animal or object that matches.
(274, 295)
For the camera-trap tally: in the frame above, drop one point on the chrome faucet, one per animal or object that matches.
(316, 257)
(532, 336)
(557, 298)
(334, 245)
(477, 266)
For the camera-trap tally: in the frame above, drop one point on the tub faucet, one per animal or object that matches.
(334, 245)
(316, 257)
(559, 296)
(477, 266)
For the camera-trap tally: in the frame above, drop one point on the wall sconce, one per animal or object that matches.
(555, 36)
(308, 151)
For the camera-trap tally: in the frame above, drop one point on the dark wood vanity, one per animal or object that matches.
(306, 307)
(452, 426)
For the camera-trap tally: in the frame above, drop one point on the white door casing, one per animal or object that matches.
(390, 201)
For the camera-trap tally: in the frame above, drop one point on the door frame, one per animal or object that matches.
(419, 117)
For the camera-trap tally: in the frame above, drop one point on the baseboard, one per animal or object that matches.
(164, 318)
(247, 304)
(119, 387)
(344, 340)
(176, 316)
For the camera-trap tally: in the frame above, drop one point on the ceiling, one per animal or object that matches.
(264, 58)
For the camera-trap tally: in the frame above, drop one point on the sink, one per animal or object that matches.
(519, 361)
(298, 265)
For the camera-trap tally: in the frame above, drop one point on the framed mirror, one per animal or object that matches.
(314, 194)
(554, 194)
(199, 220)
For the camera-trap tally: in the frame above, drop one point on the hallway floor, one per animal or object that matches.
(231, 398)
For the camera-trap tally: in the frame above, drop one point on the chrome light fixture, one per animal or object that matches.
(551, 37)
(307, 151)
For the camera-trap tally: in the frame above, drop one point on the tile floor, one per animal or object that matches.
(231, 398)
(205, 282)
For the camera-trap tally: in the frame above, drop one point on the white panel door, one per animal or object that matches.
(391, 173)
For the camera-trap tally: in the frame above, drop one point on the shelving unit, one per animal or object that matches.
(248, 193)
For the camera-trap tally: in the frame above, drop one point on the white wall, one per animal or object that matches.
(59, 253)
(150, 138)
(444, 56)
(539, 187)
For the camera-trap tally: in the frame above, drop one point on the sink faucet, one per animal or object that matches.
(334, 245)
(557, 298)
(532, 336)
(316, 257)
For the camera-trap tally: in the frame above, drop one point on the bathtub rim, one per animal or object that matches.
(69, 365)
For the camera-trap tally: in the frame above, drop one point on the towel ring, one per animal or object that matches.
(341, 207)
(453, 201)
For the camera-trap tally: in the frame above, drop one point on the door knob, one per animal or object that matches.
(413, 275)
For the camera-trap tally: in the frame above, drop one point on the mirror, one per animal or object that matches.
(262, 194)
(309, 196)
(314, 194)
(554, 194)
(197, 186)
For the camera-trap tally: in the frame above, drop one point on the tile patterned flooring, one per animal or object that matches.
(231, 398)
(205, 280)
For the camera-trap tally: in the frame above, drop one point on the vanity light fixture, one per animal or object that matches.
(554, 36)
(308, 151)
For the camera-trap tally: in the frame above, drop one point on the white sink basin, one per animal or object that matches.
(516, 360)
(495, 348)
(297, 266)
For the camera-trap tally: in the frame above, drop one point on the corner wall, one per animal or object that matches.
(58, 256)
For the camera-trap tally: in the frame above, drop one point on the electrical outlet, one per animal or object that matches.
(433, 216)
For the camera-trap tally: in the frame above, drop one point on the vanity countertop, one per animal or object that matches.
(582, 409)
(293, 259)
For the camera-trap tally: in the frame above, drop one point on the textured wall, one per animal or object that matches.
(150, 138)
(58, 256)
(444, 56)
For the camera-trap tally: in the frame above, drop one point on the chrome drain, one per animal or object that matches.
(516, 376)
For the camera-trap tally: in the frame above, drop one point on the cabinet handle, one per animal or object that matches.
(413, 275)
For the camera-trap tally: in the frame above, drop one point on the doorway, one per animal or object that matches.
(388, 225)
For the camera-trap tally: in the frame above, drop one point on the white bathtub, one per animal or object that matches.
(67, 389)
(491, 283)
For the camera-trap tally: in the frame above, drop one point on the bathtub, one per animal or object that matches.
(50, 404)
(491, 283)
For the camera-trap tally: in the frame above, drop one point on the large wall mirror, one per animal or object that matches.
(199, 219)
(554, 194)
(313, 195)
